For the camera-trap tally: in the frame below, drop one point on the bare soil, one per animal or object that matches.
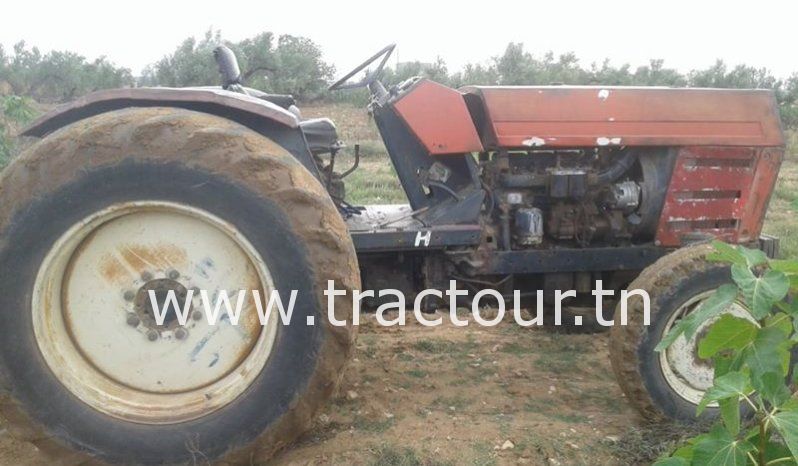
(416, 395)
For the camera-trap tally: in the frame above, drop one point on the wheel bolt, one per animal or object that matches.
(152, 335)
(146, 276)
(133, 320)
(129, 295)
(173, 274)
(181, 333)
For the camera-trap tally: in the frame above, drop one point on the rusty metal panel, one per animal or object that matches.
(439, 118)
(587, 116)
(103, 101)
(721, 191)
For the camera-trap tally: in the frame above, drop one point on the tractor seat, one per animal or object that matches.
(320, 134)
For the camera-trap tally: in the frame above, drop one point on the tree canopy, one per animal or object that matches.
(295, 65)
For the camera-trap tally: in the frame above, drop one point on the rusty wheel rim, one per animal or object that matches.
(98, 334)
(687, 374)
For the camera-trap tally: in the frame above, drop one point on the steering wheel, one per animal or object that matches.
(370, 77)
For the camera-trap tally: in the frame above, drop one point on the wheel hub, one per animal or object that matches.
(684, 371)
(145, 310)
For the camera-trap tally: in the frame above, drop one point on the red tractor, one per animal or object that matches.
(162, 192)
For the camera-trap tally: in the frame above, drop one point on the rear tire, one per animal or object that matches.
(229, 176)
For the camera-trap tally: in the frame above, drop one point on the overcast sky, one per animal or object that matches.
(686, 34)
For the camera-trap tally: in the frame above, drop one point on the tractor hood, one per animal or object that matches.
(589, 116)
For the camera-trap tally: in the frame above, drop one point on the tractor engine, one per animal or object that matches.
(576, 196)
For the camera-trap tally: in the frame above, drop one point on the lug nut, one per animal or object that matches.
(133, 320)
(196, 315)
(173, 274)
(129, 295)
(152, 335)
(181, 333)
(146, 276)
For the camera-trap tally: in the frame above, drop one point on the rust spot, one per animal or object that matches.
(249, 315)
(113, 270)
(133, 259)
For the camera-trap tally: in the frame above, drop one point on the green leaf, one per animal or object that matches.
(753, 257)
(729, 332)
(788, 267)
(732, 385)
(686, 451)
(781, 321)
(720, 448)
(767, 353)
(730, 413)
(672, 461)
(786, 423)
(760, 292)
(726, 253)
(772, 387)
(709, 308)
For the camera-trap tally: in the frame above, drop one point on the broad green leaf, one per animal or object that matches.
(730, 413)
(753, 257)
(686, 451)
(732, 385)
(788, 267)
(711, 307)
(767, 353)
(728, 332)
(725, 363)
(781, 321)
(772, 387)
(672, 461)
(786, 423)
(726, 253)
(720, 448)
(760, 292)
(789, 308)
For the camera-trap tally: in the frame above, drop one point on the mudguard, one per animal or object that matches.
(265, 117)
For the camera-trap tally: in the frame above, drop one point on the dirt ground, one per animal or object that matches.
(504, 395)
(415, 395)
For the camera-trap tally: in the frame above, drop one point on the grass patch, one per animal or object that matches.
(644, 445)
(484, 455)
(515, 349)
(376, 426)
(417, 373)
(435, 346)
(448, 402)
(388, 455)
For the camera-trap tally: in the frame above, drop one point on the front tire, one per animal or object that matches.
(106, 209)
(668, 384)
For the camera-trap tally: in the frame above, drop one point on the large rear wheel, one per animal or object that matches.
(109, 210)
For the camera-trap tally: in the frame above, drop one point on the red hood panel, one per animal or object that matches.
(568, 116)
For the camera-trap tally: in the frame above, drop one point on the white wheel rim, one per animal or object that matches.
(88, 296)
(687, 374)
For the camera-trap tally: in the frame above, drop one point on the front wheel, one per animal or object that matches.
(101, 214)
(669, 384)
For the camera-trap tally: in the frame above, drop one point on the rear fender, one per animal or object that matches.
(267, 118)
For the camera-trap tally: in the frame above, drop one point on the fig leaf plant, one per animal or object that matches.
(752, 389)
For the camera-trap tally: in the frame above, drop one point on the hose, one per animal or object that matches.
(621, 166)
